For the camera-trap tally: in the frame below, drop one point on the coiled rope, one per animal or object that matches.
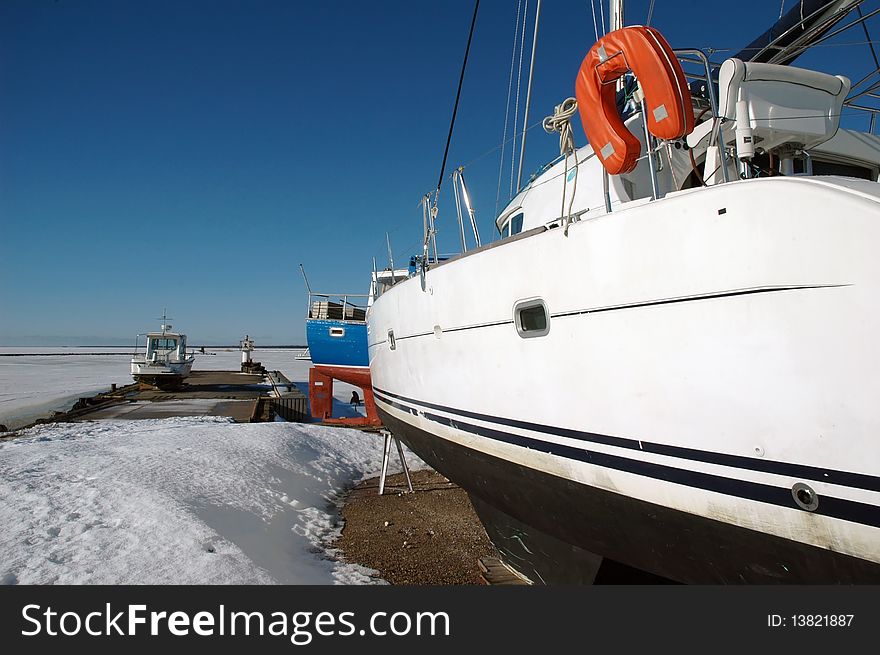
(560, 122)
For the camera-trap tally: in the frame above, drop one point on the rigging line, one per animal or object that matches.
(522, 147)
(651, 13)
(713, 51)
(868, 36)
(821, 42)
(865, 92)
(602, 16)
(412, 247)
(507, 107)
(458, 95)
(781, 9)
(846, 27)
(821, 26)
(522, 47)
(494, 148)
(595, 25)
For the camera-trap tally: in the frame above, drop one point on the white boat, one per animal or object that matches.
(675, 375)
(164, 362)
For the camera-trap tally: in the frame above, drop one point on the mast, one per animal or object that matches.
(616, 18)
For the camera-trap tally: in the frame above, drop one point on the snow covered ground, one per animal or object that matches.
(32, 386)
(179, 501)
(171, 501)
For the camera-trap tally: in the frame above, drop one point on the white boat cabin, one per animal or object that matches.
(772, 120)
(165, 347)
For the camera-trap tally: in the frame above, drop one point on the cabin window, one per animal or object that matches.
(337, 332)
(391, 343)
(516, 224)
(512, 226)
(163, 344)
(531, 318)
(821, 167)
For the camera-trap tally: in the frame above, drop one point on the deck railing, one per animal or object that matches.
(337, 306)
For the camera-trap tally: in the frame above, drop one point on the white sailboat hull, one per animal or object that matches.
(707, 356)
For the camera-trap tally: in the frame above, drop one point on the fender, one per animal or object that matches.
(644, 52)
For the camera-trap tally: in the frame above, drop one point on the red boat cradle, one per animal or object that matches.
(321, 394)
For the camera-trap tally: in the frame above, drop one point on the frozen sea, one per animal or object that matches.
(197, 500)
(34, 382)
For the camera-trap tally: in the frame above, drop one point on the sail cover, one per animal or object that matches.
(800, 27)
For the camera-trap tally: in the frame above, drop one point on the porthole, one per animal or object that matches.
(531, 318)
(391, 343)
(337, 332)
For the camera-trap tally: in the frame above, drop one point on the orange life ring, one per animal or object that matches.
(645, 52)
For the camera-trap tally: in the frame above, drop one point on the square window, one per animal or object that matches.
(531, 318)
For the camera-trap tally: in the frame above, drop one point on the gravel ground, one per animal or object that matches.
(430, 537)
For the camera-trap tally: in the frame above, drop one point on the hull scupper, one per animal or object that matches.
(710, 356)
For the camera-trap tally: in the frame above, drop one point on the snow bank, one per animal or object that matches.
(179, 501)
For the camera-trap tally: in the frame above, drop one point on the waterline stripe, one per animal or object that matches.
(830, 476)
(838, 508)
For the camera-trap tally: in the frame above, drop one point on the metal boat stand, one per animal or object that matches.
(386, 454)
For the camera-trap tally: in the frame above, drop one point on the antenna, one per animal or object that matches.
(165, 318)
(303, 271)
(390, 256)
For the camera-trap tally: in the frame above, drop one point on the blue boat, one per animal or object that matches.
(337, 334)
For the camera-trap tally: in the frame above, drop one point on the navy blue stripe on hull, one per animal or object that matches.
(830, 476)
(666, 542)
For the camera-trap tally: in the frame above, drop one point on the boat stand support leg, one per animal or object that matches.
(403, 464)
(386, 454)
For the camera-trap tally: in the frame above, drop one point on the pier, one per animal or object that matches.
(243, 397)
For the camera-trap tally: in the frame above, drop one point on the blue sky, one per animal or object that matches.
(190, 155)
